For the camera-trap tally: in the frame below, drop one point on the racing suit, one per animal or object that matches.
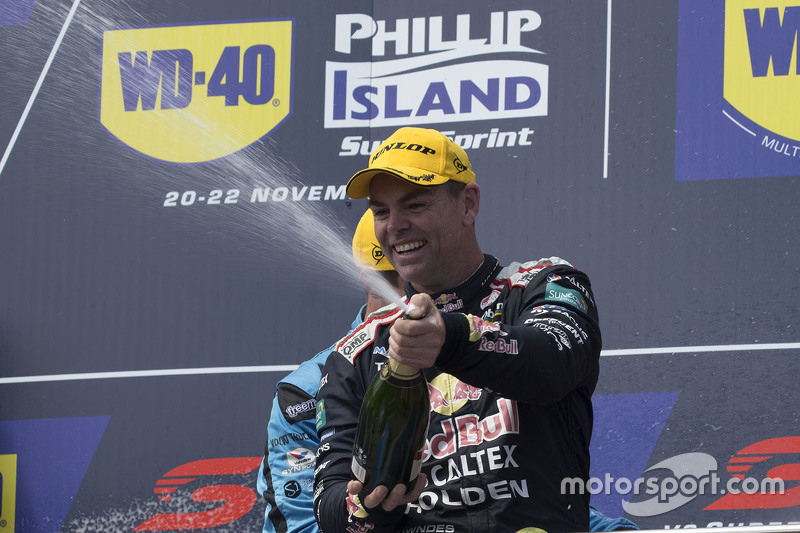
(600, 522)
(286, 475)
(511, 412)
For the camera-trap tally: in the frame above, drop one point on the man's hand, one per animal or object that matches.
(389, 500)
(416, 340)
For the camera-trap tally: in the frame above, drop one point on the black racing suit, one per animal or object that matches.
(511, 411)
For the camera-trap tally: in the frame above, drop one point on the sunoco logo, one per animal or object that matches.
(439, 80)
(189, 94)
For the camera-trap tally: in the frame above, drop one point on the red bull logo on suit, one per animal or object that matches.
(469, 430)
(448, 394)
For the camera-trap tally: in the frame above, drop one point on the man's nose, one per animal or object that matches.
(397, 221)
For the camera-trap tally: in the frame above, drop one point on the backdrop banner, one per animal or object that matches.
(175, 233)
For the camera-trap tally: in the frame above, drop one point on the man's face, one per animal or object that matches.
(421, 230)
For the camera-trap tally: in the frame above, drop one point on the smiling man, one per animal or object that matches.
(510, 354)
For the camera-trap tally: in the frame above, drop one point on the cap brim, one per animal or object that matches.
(358, 186)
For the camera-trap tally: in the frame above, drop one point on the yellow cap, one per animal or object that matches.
(420, 156)
(366, 250)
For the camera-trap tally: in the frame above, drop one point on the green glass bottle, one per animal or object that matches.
(392, 426)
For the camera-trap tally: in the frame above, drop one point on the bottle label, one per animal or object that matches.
(416, 466)
(358, 471)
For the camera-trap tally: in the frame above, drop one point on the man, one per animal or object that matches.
(286, 475)
(511, 355)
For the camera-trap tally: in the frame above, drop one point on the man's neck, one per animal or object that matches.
(478, 263)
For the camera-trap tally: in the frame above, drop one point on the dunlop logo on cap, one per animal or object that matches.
(403, 146)
(189, 94)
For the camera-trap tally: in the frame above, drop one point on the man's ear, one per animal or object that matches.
(472, 202)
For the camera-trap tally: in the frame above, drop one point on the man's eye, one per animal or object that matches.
(416, 206)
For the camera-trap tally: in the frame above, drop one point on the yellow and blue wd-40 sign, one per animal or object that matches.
(738, 76)
(761, 71)
(189, 94)
(8, 492)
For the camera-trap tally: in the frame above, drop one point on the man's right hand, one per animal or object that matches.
(417, 342)
(389, 500)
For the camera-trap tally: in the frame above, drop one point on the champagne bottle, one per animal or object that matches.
(392, 426)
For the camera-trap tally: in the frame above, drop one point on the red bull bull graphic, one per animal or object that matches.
(354, 507)
(448, 302)
(444, 298)
(448, 394)
(480, 327)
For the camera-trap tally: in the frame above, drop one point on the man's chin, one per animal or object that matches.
(408, 270)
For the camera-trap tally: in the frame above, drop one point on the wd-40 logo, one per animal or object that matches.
(762, 70)
(8, 492)
(190, 94)
(738, 77)
(431, 79)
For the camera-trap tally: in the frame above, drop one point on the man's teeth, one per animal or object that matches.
(409, 246)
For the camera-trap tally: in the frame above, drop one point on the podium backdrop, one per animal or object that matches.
(174, 233)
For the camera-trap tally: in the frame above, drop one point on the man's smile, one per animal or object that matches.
(408, 246)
